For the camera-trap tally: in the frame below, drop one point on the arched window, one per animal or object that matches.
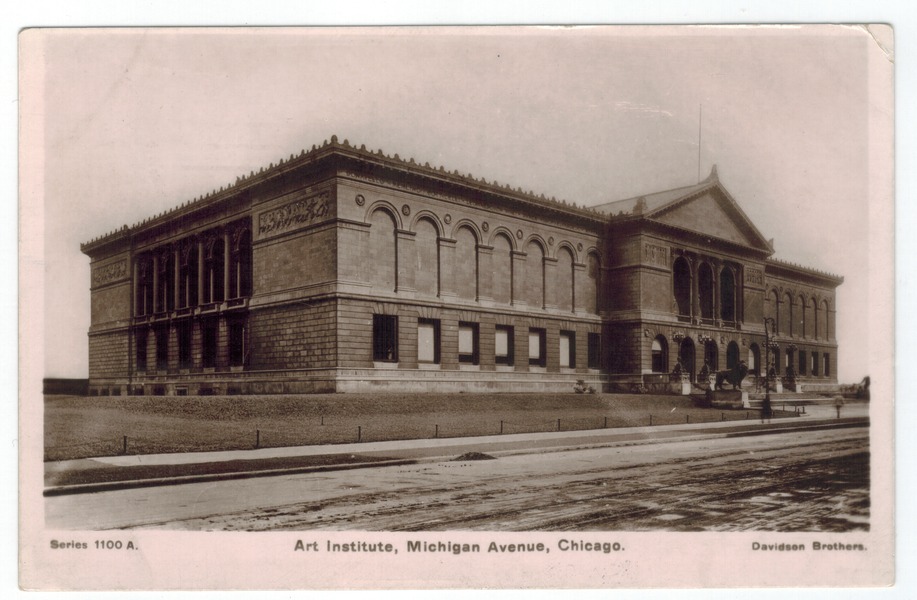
(801, 317)
(382, 249)
(772, 310)
(823, 315)
(660, 355)
(706, 290)
(593, 282)
(502, 269)
(144, 286)
(466, 264)
(165, 300)
(215, 276)
(811, 318)
(816, 316)
(681, 273)
(187, 279)
(727, 295)
(240, 269)
(790, 311)
(534, 275)
(732, 355)
(426, 272)
(563, 283)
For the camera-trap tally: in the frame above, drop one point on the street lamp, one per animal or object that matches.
(766, 407)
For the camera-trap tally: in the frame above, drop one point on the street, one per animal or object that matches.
(797, 481)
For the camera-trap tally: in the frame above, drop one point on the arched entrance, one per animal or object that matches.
(754, 359)
(686, 356)
(660, 355)
(712, 356)
(732, 355)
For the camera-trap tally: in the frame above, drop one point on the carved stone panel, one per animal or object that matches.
(754, 277)
(656, 255)
(293, 215)
(109, 273)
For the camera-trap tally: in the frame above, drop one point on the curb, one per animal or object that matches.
(753, 430)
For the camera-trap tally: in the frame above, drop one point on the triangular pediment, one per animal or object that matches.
(713, 213)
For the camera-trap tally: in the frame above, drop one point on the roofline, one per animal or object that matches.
(344, 148)
(790, 266)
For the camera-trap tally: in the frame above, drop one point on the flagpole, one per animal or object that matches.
(700, 120)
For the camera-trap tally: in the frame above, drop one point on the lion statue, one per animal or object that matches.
(733, 376)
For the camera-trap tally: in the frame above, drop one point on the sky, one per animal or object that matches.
(134, 122)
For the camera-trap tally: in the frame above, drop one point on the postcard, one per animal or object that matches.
(456, 307)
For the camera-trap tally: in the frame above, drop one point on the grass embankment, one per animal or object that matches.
(80, 427)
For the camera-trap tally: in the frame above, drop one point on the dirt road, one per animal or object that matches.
(809, 481)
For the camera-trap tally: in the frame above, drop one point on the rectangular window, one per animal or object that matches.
(468, 343)
(237, 344)
(184, 345)
(208, 345)
(826, 358)
(567, 349)
(802, 362)
(385, 338)
(140, 340)
(537, 347)
(162, 349)
(503, 345)
(595, 350)
(813, 367)
(428, 341)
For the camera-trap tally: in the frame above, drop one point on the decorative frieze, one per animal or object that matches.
(294, 214)
(656, 255)
(110, 272)
(754, 277)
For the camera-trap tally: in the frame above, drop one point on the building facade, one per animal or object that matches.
(343, 269)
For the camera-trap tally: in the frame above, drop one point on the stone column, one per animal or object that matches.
(155, 281)
(136, 287)
(200, 272)
(226, 265)
(176, 276)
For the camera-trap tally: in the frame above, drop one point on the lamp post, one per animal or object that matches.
(766, 407)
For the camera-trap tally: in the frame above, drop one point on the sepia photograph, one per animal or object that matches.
(458, 307)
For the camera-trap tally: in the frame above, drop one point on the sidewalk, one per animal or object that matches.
(116, 472)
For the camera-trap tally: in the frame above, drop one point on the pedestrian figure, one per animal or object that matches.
(838, 403)
(766, 411)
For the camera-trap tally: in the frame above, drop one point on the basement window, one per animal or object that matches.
(537, 355)
(468, 343)
(503, 345)
(385, 338)
(428, 341)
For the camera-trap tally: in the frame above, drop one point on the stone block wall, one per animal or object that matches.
(108, 354)
(298, 335)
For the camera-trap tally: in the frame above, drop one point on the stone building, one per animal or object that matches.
(343, 269)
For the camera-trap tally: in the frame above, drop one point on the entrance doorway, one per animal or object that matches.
(732, 355)
(686, 356)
